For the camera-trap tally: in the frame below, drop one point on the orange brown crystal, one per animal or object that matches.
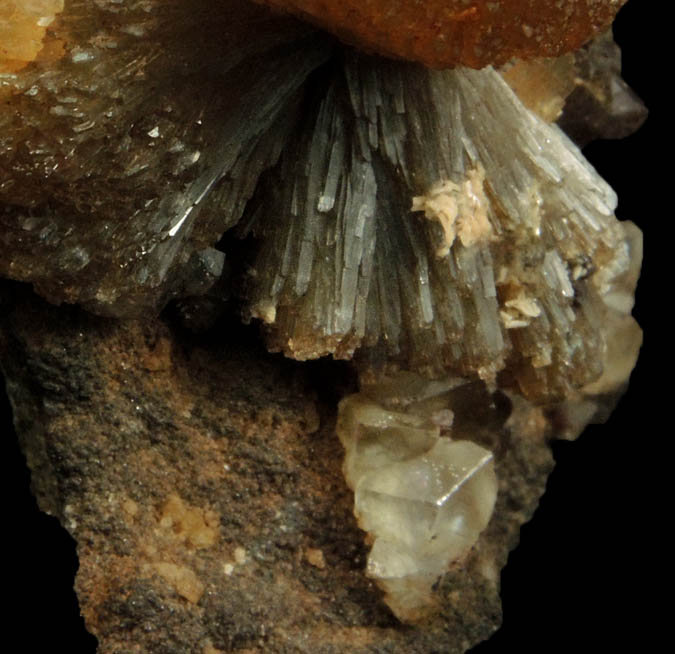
(543, 84)
(445, 33)
(23, 26)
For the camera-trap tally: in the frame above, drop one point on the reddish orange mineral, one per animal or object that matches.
(23, 25)
(445, 33)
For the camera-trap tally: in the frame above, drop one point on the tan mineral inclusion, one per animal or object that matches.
(461, 209)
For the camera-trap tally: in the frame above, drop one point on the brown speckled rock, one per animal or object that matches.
(203, 486)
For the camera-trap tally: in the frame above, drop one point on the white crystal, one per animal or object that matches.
(422, 497)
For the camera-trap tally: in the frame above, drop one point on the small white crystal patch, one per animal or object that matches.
(460, 208)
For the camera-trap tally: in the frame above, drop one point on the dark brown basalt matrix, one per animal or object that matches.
(434, 229)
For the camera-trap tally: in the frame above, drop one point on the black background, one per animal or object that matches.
(580, 580)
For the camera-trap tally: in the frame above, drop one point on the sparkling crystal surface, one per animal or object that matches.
(403, 217)
(432, 223)
(133, 149)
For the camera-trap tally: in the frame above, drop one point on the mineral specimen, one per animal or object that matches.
(435, 228)
(134, 139)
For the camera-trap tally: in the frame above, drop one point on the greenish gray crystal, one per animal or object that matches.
(349, 266)
(136, 149)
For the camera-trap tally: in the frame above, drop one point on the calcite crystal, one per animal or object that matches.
(23, 26)
(443, 33)
(423, 498)
(436, 229)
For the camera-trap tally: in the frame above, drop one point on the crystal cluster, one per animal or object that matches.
(407, 218)
(134, 150)
(422, 497)
(433, 223)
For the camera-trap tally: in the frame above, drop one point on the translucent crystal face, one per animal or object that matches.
(427, 511)
(423, 498)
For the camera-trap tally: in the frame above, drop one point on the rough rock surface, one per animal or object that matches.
(203, 486)
(443, 33)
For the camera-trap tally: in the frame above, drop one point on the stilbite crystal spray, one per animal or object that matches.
(508, 272)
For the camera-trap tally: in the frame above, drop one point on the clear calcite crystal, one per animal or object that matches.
(422, 497)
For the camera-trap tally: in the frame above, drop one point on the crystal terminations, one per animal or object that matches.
(540, 269)
(424, 499)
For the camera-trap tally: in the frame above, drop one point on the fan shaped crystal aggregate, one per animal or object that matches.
(349, 265)
(417, 219)
(109, 154)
